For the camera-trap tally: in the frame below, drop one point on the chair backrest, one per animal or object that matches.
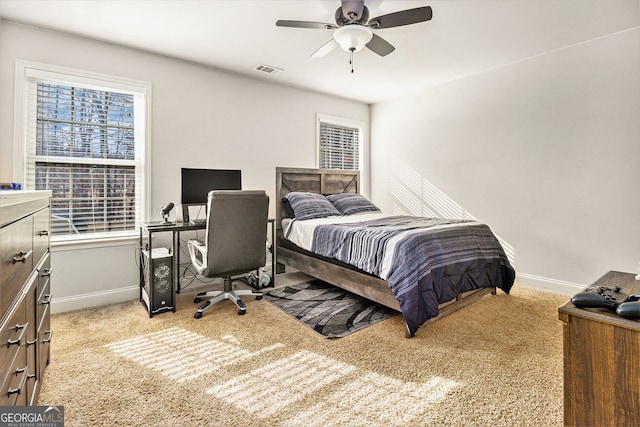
(236, 232)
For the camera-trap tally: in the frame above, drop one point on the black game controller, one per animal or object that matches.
(630, 308)
(599, 297)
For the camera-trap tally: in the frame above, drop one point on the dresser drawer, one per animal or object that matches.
(16, 259)
(13, 391)
(13, 340)
(41, 230)
(44, 279)
(45, 334)
(44, 302)
(31, 308)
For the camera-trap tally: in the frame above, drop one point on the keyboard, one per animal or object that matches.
(198, 221)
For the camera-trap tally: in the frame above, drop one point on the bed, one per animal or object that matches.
(436, 288)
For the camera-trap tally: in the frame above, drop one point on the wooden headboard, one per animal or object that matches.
(322, 181)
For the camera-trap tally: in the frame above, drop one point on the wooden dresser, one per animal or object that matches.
(602, 362)
(25, 333)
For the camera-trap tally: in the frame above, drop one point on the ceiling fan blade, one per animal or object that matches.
(305, 24)
(380, 46)
(325, 49)
(404, 17)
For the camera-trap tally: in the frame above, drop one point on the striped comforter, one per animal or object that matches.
(426, 261)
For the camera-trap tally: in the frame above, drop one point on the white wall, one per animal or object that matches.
(545, 151)
(201, 117)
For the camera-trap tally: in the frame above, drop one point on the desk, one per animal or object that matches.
(148, 229)
(601, 361)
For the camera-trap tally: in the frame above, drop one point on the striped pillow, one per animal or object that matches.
(310, 205)
(351, 203)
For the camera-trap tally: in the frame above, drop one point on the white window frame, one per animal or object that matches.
(363, 146)
(27, 70)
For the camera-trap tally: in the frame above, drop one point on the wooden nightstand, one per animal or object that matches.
(601, 362)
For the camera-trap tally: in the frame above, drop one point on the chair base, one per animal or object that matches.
(226, 294)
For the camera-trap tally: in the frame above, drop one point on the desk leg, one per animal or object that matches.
(273, 253)
(176, 260)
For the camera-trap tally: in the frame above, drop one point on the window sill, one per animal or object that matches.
(95, 240)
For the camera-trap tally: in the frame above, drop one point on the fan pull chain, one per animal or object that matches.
(351, 60)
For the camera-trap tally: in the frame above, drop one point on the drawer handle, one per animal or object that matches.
(48, 299)
(22, 380)
(46, 272)
(47, 340)
(43, 233)
(22, 257)
(24, 331)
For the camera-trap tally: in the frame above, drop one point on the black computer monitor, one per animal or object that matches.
(196, 183)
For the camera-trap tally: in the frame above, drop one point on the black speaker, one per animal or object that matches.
(158, 293)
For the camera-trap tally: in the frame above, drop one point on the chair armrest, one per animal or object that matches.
(198, 254)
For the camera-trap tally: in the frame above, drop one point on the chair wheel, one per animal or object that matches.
(197, 314)
(258, 296)
(241, 312)
(197, 300)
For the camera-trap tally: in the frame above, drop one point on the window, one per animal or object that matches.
(84, 140)
(339, 144)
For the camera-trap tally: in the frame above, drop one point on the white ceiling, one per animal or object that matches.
(463, 38)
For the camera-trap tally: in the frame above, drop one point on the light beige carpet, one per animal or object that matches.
(497, 362)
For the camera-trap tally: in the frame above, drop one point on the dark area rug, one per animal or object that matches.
(330, 311)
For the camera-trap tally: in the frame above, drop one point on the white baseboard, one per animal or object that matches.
(547, 284)
(94, 299)
(112, 296)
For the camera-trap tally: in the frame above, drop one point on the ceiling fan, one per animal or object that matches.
(354, 29)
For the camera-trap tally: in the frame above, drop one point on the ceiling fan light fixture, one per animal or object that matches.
(353, 38)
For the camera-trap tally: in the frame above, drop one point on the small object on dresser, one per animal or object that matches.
(630, 308)
(10, 186)
(599, 297)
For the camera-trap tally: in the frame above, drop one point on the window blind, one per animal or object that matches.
(339, 147)
(82, 145)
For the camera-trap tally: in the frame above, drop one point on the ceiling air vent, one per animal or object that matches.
(268, 69)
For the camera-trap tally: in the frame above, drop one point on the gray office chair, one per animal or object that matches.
(235, 243)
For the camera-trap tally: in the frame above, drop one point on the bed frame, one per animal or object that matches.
(329, 181)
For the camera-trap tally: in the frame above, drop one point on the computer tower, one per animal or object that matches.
(158, 291)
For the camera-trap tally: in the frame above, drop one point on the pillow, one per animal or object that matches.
(351, 203)
(287, 208)
(310, 205)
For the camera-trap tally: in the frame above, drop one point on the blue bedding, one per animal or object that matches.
(426, 261)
